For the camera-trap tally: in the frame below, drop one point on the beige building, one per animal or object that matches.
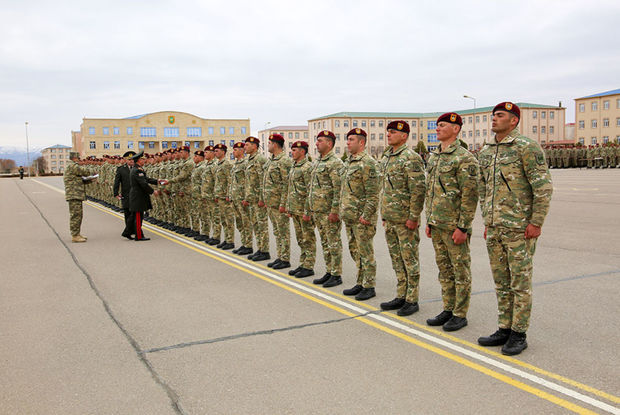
(56, 158)
(291, 133)
(597, 118)
(544, 123)
(155, 132)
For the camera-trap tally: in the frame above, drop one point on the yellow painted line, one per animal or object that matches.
(520, 385)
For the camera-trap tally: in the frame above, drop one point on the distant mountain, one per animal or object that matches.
(19, 154)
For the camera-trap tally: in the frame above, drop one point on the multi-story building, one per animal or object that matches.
(543, 123)
(597, 118)
(291, 133)
(155, 132)
(55, 158)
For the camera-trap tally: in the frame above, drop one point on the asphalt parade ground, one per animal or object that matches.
(173, 326)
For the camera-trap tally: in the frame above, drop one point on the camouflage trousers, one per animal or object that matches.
(590, 159)
(194, 212)
(304, 233)
(330, 242)
(258, 220)
(242, 219)
(361, 249)
(282, 232)
(227, 221)
(75, 216)
(206, 216)
(403, 244)
(181, 210)
(454, 263)
(511, 257)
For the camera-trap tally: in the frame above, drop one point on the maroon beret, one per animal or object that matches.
(326, 133)
(301, 144)
(220, 146)
(399, 125)
(239, 145)
(252, 139)
(199, 153)
(508, 107)
(277, 138)
(184, 148)
(451, 117)
(209, 148)
(357, 131)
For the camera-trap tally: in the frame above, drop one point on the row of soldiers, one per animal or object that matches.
(206, 195)
(592, 156)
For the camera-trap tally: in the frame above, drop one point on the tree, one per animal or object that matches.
(40, 165)
(420, 148)
(6, 165)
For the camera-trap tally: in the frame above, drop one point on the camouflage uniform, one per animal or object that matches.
(254, 171)
(324, 199)
(274, 194)
(403, 187)
(196, 202)
(360, 199)
(220, 190)
(298, 184)
(182, 183)
(515, 190)
(597, 156)
(237, 193)
(75, 194)
(211, 221)
(451, 198)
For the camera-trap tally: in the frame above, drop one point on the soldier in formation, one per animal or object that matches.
(592, 156)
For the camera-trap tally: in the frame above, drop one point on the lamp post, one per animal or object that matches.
(474, 116)
(262, 142)
(27, 150)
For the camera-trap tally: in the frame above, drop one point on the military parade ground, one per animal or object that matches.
(177, 326)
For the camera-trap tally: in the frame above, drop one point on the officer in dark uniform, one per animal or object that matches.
(121, 189)
(21, 172)
(140, 194)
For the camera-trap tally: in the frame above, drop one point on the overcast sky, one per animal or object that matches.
(285, 62)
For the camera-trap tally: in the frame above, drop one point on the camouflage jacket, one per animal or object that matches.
(403, 185)
(197, 179)
(207, 186)
(254, 170)
(222, 178)
(360, 188)
(298, 182)
(451, 188)
(236, 189)
(275, 180)
(515, 185)
(325, 185)
(183, 176)
(74, 186)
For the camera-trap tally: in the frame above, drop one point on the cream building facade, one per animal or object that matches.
(543, 123)
(56, 158)
(155, 132)
(291, 133)
(597, 118)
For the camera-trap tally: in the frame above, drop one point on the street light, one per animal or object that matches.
(474, 134)
(27, 150)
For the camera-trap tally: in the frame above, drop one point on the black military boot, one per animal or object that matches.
(236, 251)
(260, 256)
(272, 263)
(294, 271)
(496, 339)
(516, 344)
(408, 309)
(395, 304)
(366, 294)
(282, 265)
(323, 279)
(304, 272)
(440, 319)
(355, 290)
(228, 245)
(244, 250)
(221, 244)
(333, 281)
(455, 323)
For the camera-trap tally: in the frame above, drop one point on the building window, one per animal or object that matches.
(222, 130)
(593, 140)
(345, 124)
(91, 130)
(187, 143)
(106, 130)
(194, 131)
(381, 137)
(151, 144)
(618, 122)
(116, 131)
(372, 123)
(380, 123)
(477, 133)
(231, 130)
(470, 120)
(141, 145)
(484, 118)
(605, 105)
(129, 144)
(582, 107)
(551, 129)
(484, 132)
(129, 130)
(210, 130)
(372, 137)
(211, 142)
(477, 118)
(618, 103)
(431, 125)
(338, 137)
(232, 143)
(363, 123)
(290, 135)
(543, 130)
(243, 130)
(173, 144)
(414, 123)
(605, 122)
(148, 132)
(582, 125)
(337, 123)
(338, 149)
(594, 123)
(582, 140)
(606, 139)
(543, 114)
(60, 156)
(196, 144)
(92, 145)
(117, 145)
(595, 106)
(414, 136)
(323, 124)
(354, 123)
(534, 114)
(171, 131)
(296, 135)
(164, 144)
(52, 150)
(534, 129)
(470, 134)
(53, 156)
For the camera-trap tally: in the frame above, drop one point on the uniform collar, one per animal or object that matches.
(239, 161)
(509, 139)
(358, 156)
(302, 162)
(451, 148)
(327, 156)
(278, 157)
(391, 151)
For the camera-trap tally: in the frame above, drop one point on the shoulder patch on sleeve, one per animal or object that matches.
(472, 170)
(540, 158)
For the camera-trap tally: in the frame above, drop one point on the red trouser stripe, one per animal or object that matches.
(138, 226)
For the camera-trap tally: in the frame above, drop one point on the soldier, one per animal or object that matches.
(207, 192)
(254, 171)
(401, 205)
(298, 183)
(121, 192)
(220, 191)
(182, 182)
(323, 206)
(451, 198)
(75, 194)
(617, 154)
(21, 172)
(548, 155)
(515, 191)
(236, 194)
(590, 156)
(196, 205)
(597, 156)
(274, 192)
(358, 209)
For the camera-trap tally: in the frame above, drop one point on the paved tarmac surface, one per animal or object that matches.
(171, 326)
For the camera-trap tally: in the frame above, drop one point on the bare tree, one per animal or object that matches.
(6, 165)
(40, 164)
